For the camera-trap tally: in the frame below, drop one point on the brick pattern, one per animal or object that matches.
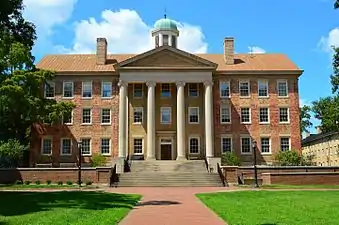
(310, 178)
(229, 51)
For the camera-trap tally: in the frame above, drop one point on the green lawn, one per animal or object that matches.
(287, 186)
(64, 208)
(45, 186)
(275, 207)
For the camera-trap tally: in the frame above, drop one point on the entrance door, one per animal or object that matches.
(166, 149)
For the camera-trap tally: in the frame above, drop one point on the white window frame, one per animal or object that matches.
(52, 84)
(249, 88)
(101, 116)
(221, 143)
(223, 106)
(90, 146)
(265, 82)
(170, 90)
(63, 89)
(189, 90)
(189, 114)
(109, 147)
(165, 109)
(189, 144)
(268, 115)
(289, 142)
(288, 115)
(270, 145)
(71, 123)
(83, 84)
(245, 153)
(278, 93)
(82, 116)
(142, 91)
(143, 145)
(103, 83)
(42, 145)
(61, 147)
(221, 91)
(140, 109)
(250, 115)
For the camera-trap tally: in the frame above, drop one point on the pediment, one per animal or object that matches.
(166, 57)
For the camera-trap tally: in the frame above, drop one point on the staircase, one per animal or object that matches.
(169, 173)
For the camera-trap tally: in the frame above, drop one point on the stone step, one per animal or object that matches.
(170, 185)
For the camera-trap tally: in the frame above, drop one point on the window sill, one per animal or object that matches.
(246, 153)
(193, 123)
(264, 123)
(50, 154)
(106, 154)
(86, 98)
(162, 123)
(225, 123)
(283, 96)
(284, 123)
(266, 153)
(66, 154)
(106, 124)
(225, 97)
(263, 97)
(106, 98)
(86, 154)
(68, 97)
(138, 98)
(137, 123)
(138, 153)
(244, 96)
(68, 124)
(86, 124)
(246, 123)
(194, 153)
(50, 97)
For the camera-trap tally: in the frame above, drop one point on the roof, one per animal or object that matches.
(243, 62)
(316, 137)
(165, 24)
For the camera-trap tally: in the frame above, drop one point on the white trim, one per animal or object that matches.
(250, 115)
(189, 114)
(288, 115)
(42, 145)
(82, 89)
(166, 143)
(198, 90)
(90, 146)
(163, 109)
(143, 144)
(82, 116)
(229, 112)
(287, 90)
(142, 91)
(267, 86)
(63, 89)
(268, 115)
(189, 144)
(242, 137)
(221, 142)
(229, 88)
(142, 114)
(170, 90)
(289, 142)
(270, 145)
(249, 88)
(51, 83)
(102, 89)
(61, 146)
(110, 146)
(110, 117)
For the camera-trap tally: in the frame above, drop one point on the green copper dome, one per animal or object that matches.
(165, 24)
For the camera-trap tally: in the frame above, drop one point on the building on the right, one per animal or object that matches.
(324, 147)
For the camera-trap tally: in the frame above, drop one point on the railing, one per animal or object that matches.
(206, 164)
(222, 177)
(114, 177)
(127, 164)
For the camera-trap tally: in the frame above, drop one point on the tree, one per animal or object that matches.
(305, 117)
(293, 158)
(336, 4)
(327, 111)
(230, 159)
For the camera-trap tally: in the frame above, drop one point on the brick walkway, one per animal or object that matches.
(170, 206)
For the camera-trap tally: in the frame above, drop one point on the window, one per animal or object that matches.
(106, 89)
(87, 89)
(262, 88)
(137, 114)
(244, 88)
(138, 146)
(105, 146)
(157, 41)
(226, 144)
(68, 89)
(174, 42)
(165, 40)
(282, 88)
(193, 115)
(245, 115)
(224, 89)
(105, 116)
(225, 114)
(50, 90)
(46, 146)
(283, 115)
(194, 145)
(265, 145)
(66, 146)
(284, 143)
(165, 90)
(86, 146)
(193, 90)
(264, 115)
(137, 90)
(86, 116)
(68, 118)
(245, 145)
(166, 115)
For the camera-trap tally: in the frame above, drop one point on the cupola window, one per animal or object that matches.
(165, 39)
(157, 41)
(174, 42)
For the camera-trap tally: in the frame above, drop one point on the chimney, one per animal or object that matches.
(229, 50)
(101, 51)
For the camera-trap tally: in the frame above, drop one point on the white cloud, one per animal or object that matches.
(256, 50)
(126, 32)
(303, 102)
(332, 39)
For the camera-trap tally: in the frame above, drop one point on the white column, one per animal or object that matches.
(151, 119)
(181, 122)
(209, 119)
(122, 118)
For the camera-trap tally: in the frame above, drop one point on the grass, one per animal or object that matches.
(64, 207)
(288, 186)
(43, 186)
(275, 207)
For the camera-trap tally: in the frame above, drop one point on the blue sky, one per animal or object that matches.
(302, 29)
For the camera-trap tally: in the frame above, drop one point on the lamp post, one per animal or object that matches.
(79, 162)
(254, 146)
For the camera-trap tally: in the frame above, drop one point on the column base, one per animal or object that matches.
(181, 158)
(120, 165)
(151, 158)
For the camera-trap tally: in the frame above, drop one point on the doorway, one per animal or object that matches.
(166, 149)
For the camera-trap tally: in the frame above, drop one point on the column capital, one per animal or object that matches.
(208, 83)
(122, 83)
(151, 83)
(180, 83)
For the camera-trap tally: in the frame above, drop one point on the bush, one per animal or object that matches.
(69, 182)
(37, 182)
(88, 182)
(11, 153)
(18, 182)
(98, 160)
(230, 159)
(27, 182)
(60, 183)
(48, 182)
(293, 158)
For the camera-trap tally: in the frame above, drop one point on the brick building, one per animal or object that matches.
(168, 104)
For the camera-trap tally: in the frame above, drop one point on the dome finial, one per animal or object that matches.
(165, 16)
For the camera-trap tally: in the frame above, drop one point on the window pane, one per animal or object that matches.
(87, 89)
(194, 115)
(265, 145)
(283, 115)
(106, 116)
(165, 90)
(226, 144)
(66, 147)
(284, 144)
(106, 89)
(137, 145)
(47, 146)
(282, 88)
(86, 146)
(137, 115)
(68, 89)
(263, 117)
(225, 114)
(244, 88)
(165, 39)
(86, 116)
(166, 117)
(224, 89)
(262, 88)
(193, 90)
(245, 145)
(105, 146)
(137, 90)
(50, 90)
(67, 119)
(194, 145)
(245, 115)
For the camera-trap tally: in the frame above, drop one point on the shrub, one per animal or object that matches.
(88, 182)
(69, 182)
(229, 159)
(27, 182)
(293, 158)
(48, 182)
(11, 153)
(37, 182)
(98, 160)
(18, 182)
(60, 183)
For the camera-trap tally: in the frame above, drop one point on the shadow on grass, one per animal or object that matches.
(158, 203)
(19, 203)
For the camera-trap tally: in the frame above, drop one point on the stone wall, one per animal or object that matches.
(301, 178)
